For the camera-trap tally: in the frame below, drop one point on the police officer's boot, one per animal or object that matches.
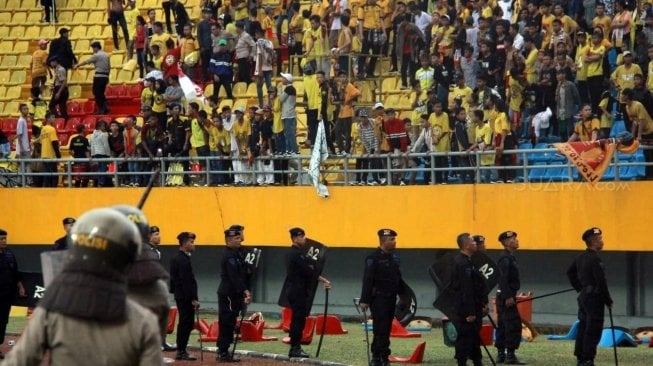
(462, 362)
(501, 355)
(297, 351)
(587, 363)
(225, 356)
(511, 358)
(376, 361)
(477, 362)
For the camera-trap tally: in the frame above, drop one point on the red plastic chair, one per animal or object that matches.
(88, 107)
(74, 108)
(307, 333)
(172, 317)
(286, 314)
(399, 331)
(134, 91)
(60, 125)
(89, 122)
(63, 139)
(253, 332)
(487, 333)
(9, 126)
(333, 325)
(416, 357)
(212, 333)
(70, 125)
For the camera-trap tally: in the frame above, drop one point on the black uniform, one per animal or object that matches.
(184, 287)
(300, 275)
(233, 283)
(470, 290)
(587, 275)
(382, 283)
(61, 243)
(508, 321)
(9, 278)
(63, 50)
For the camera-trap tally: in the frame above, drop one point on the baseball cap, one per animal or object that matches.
(154, 229)
(43, 42)
(627, 53)
(287, 76)
(239, 109)
(63, 30)
(296, 231)
(378, 105)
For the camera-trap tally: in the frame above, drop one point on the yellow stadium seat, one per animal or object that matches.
(18, 77)
(389, 85)
(222, 93)
(240, 90)
(116, 60)
(19, 17)
(80, 17)
(5, 17)
(208, 90)
(251, 90)
(12, 95)
(301, 121)
(4, 31)
(78, 32)
(75, 91)
(391, 101)
(125, 76)
(17, 31)
(48, 32)
(159, 12)
(34, 16)
(97, 17)
(2, 105)
(106, 32)
(21, 47)
(405, 103)
(94, 31)
(82, 45)
(65, 17)
(6, 46)
(32, 32)
(113, 75)
(24, 61)
(192, 3)
(74, 4)
(150, 4)
(11, 109)
(13, 4)
(93, 4)
(225, 102)
(240, 103)
(47, 93)
(195, 13)
(78, 76)
(3, 91)
(8, 61)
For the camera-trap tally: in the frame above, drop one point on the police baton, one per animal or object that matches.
(614, 341)
(199, 328)
(326, 308)
(545, 295)
(237, 329)
(148, 189)
(489, 355)
(367, 335)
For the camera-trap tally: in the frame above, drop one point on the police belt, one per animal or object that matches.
(380, 293)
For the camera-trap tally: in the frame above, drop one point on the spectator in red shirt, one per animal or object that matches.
(397, 140)
(139, 44)
(170, 64)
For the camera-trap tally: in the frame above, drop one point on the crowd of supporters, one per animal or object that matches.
(482, 75)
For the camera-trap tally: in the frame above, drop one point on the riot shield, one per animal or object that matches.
(33, 283)
(406, 306)
(316, 252)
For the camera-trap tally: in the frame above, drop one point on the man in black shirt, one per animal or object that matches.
(508, 335)
(184, 287)
(178, 143)
(233, 293)
(300, 274)
(587, 275)
(471, 302)
(62, 50)
(10, 284)
(80, 149)
(382, 283)
(62, 243)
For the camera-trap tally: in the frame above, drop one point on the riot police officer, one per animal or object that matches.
(300, 275)
(382, 283)
(470, 301)
(233, 292)
(62, 243)
(587, 275)
(508, 334)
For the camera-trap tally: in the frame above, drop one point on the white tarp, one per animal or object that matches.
(320, 153)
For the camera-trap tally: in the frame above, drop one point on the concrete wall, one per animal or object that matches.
(541, 272)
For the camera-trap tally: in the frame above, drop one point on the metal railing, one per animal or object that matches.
(337, 170)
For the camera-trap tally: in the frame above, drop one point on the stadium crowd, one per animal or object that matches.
(478, 75)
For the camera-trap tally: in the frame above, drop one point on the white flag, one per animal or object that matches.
(320, 153)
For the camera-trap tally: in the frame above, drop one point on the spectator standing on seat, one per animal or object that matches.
(130, 135)
(181, 16)
(49, 8)
(140, 38)
(264, 62)
(222, 69)
(40, 66)
(117, 147)
(245, 47)
(102, 64)
(188, 45)
(199, 138)
(171, 60)
(23, 149)
(59, 89)
(370, 26)
(441, 135)
(567, 98)
(117, 17)
(623, 77)
(131, 17)
(483, 134)
(349, 93)
(594, 59)
(178, 144)
(240, 130)
(288, 100)
(205, 42)
(159, 108)
(220, 147)
(49, 150)
(410, 42)
(99, 144)
(174, 93)
(79, 148)
(62, 49)
(184, 287)
(397, 138)
(158, 38)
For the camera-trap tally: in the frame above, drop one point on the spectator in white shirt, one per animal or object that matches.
(23, 150)
(420, 18)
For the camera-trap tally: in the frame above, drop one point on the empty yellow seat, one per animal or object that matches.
(74, 4)
(24, 61)
(65, 17)
(251, 91)
(391, 101)
(18, 77)
(94, 32)
(47, 32)
(17, 31)
(389, 85)
(116, 60)
(106, 32)
(150, 4)
(240, 103)
(240, 90)
(34, 16)
(208, 90)
(8, 61)
(225, 103)
(13, 4)
(82, 45)
(96, 17)
(12, 95)
(4, 31)
(5, 17)
(3, 91)
(32, 32)
(75, 91)
(125, 76)
(91, 4)
(21, 47)
(78, 76)
(11, 109)
(78, 32)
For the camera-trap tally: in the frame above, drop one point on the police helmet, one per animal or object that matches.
(137, 217)
(102, 239)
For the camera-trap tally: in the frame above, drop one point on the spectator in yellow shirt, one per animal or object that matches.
(587, 128)
(188, 45)
(39, 66)
(595, 77)
(642, 125)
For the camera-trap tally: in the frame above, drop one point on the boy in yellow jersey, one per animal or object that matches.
(314, 43)
(371, 27)
(547, 20)
(503, 139)
(483, 143)
(159, 37)
(587, 128)
(642, 125)
(581, 67)
(219, 146)
(49, 150)
(594, 60)
(441, 135)
(460, 91)
(531, 59)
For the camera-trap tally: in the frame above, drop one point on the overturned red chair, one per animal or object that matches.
(416, 357)
(172, 317)
(286, 314)
(212, 333)
(332, 325)
(253, 332)
(307, 333)
(399, 331)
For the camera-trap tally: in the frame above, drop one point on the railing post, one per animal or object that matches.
(345, 163)
(432, 158)
(615, 158)
(69, 173)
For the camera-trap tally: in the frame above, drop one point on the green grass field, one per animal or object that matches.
(350, 348)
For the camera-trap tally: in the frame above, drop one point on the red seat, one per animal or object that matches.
(60, 125)
(332, 326)
(74, 108)
(134, 91)
(400, 331)
(89, 122)
(172, 317)
(416, 357)
(116, 92)
(63, 138)
(487, 334)
(286, 314)
(253, 332)
(202, 326)
(307, 333)
(212, 334)
(9, 126)
(70, 125)
(88, 107)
